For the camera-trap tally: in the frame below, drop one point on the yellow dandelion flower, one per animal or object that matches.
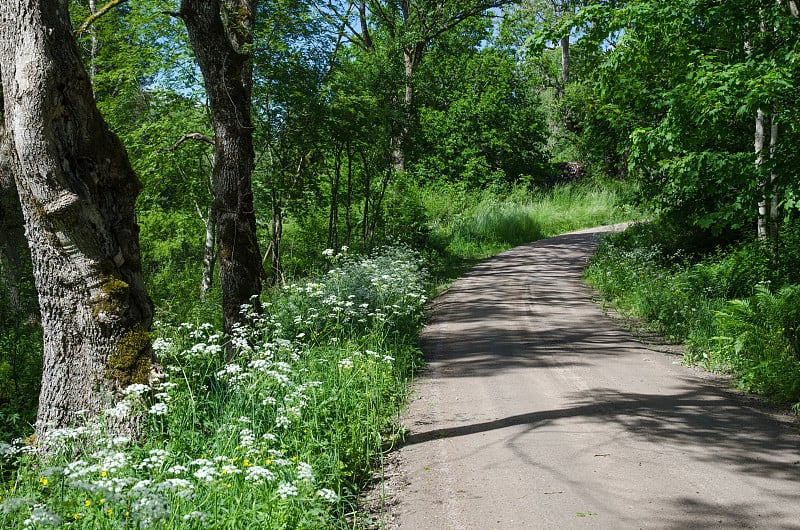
(43, 481)
(87, 503)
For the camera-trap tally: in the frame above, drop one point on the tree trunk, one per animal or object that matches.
(411, 58)
(93, 49)
(77, 192)
(277, 234)
(758, 143)
(772, 228)
(366, 210)
(209, 258)
(348, 207)
(16, 282)
(565, 67)
(333, 217)
(220, 33)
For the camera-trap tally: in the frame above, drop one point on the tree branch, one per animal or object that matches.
(91, 19)
(200, 137)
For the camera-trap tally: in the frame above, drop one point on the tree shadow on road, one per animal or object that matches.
(706, 416)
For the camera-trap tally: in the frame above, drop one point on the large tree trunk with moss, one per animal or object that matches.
(77, 192)
(220, 34)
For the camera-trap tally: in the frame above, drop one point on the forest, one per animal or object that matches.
(221, 221)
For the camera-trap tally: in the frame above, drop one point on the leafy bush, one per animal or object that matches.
(717, 302)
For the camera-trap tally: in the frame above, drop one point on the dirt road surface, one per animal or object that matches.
(536, 411)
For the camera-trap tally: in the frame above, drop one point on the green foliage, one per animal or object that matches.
(20, 359)
(468, 226)
(172, 262)
(760, 341)
(678, 93)
(716, 301)
(20, 373)
(479, 120)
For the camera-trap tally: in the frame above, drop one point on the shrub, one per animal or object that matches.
(760, 342)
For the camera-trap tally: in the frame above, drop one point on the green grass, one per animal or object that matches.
(286, 434)
(470, 226)
(280, 437)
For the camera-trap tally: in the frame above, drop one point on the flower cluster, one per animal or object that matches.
(257, 427)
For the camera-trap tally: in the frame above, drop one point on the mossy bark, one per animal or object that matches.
(77, 192)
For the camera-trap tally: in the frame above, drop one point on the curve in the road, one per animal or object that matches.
(537, 412)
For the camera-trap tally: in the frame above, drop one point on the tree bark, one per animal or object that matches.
(276, 236)
(220, 34)
(77, 192)
(758, 144)
(210, 222)
(15, 259)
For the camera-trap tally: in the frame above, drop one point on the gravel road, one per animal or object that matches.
(537, 411)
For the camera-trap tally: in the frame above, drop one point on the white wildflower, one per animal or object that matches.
(158, 409)
(328, 495)
(206, 473)
(136, 389)
(42, 516)
(287, 490)
(259, 474)
(200, 516)
(305, 472)
(177, 470)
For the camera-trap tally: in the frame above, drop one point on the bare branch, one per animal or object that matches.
(200, 137)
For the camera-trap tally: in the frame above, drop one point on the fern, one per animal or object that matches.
(760, 341)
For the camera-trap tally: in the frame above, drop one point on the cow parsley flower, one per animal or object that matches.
(286, 490)
(158, 409)
(328, 495)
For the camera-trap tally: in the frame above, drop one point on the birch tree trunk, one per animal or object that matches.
(210, 222)
(767, 228)
(759, 142)
(77, 192)
(220, 34)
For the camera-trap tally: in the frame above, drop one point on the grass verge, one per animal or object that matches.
(734, 307)
(279, 437)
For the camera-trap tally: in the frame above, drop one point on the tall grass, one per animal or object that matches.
(280, 437)
(284, 435)
(469, 226)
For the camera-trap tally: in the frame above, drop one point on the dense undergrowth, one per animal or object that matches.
(276, 438)
(286, 434)
(735, 304)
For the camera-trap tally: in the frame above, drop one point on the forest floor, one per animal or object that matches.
(537, 411)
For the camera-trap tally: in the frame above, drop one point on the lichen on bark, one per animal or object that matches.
(131, 361)
(112, 300)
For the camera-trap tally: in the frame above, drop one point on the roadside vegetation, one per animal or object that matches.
(288, 432)
(735, 305)
(393, 146)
